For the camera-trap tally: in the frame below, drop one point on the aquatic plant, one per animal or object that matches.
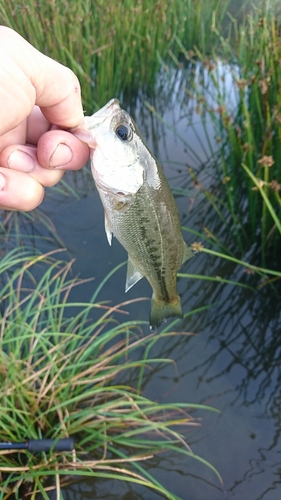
(64, 372)
(113, 47)
(249, 129)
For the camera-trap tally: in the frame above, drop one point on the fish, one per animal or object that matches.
(139, 207)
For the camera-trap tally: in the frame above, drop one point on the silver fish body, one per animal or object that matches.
(140, 210)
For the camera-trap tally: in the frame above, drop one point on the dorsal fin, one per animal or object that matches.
(187, 253)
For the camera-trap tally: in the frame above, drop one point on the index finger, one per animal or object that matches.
(28, 77)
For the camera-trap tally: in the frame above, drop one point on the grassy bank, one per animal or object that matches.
(68, 369)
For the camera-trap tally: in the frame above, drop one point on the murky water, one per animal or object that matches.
(232, 359)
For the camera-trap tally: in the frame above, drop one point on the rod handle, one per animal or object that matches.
(37, 445)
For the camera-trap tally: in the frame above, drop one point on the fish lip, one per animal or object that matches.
(110, 107)
(102, 114)
(83, 131)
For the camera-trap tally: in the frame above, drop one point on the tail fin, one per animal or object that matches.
(161, 310)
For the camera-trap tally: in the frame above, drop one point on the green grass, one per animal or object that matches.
(113, 47)
(65, 368)
(251, 133)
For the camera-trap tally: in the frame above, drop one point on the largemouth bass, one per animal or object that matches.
(139, 207)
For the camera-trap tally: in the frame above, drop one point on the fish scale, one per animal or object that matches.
(148, 245)
(140, 210)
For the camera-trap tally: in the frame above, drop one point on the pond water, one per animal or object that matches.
(232, 359)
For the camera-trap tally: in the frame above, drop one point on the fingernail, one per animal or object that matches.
(61, 156)
(2, 182)
(20, 160)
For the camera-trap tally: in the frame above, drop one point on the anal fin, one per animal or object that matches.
(133, 275)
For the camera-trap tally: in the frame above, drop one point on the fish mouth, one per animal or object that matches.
(83, 132)
(110, 109)
(112, 106)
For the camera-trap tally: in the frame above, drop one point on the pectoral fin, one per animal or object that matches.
(187, 253)
(107, 229)
(133, 275)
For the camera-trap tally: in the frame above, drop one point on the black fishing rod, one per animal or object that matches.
(37, 445)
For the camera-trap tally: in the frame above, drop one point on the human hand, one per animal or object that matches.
(39, 99)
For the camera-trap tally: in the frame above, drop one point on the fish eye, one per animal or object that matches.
(123, 132)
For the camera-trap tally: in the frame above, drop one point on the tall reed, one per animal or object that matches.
(113, 47)
(238, 89)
